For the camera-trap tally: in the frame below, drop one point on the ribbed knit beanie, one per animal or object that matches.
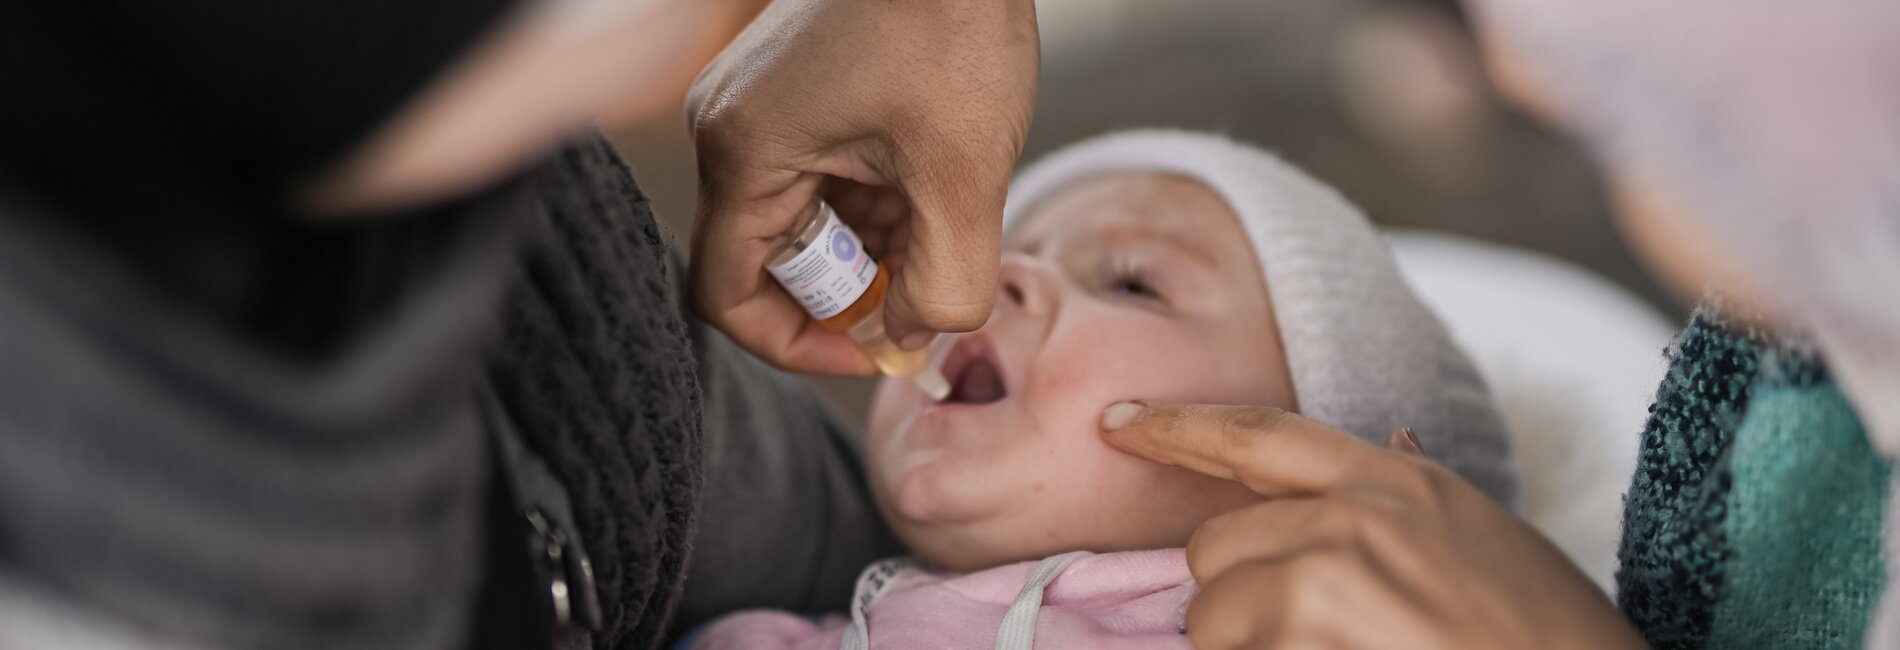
(1364, 354)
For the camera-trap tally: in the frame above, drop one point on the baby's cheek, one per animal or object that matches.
(1062, 376)
(1095, 496)
(1107, 500)
(1084, 372)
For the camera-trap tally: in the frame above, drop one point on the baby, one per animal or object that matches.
(1140, 265)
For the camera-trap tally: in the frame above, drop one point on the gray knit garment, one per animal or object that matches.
(596, 366)
(166, 482)
(1364, 354)
(165, 470)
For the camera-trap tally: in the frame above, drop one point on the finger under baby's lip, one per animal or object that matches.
(1272, 451)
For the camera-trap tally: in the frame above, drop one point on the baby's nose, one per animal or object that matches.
(1026, 284)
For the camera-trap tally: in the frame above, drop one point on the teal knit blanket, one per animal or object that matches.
(1754, 517)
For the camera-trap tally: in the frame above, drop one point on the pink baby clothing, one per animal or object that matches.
(1077, 600)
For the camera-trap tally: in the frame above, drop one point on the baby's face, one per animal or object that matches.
(1131, 286)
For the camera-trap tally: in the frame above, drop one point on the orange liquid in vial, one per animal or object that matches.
(864, 322)
(865, 306)
(863, 319)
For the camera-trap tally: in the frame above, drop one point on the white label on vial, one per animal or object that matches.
(831, 273)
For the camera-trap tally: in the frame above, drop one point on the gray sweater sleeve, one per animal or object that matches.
(786, 520)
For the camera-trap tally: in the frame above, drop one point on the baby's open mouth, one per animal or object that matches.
(973, 371)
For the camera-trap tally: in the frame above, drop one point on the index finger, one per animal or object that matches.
(1272, 451)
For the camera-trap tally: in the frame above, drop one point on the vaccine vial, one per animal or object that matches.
(823, 264)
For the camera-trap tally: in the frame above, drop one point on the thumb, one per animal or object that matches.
(947, 282)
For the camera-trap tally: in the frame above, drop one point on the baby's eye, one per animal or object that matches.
(1135, 285)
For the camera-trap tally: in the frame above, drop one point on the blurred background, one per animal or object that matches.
(1384, 99)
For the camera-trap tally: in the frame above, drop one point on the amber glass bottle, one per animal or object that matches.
(823, 264)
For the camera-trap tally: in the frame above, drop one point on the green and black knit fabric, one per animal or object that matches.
(1754, 518)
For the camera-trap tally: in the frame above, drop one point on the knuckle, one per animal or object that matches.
(1415, 481)
(1251, 421)
(1425, 486)
(718, 126)
(705, 122)
(1244, 428)
(1306, 576)
(1349, 512)
(1206, 547)
(1367, 516)
(1441, 484)
(1374, 530)
(1232, 612)
(1311, 592)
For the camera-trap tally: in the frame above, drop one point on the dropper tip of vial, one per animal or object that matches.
(932, 382)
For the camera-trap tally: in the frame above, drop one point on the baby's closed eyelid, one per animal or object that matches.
(1130, 275)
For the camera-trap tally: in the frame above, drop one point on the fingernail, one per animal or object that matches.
(917, 341)
(1412, 437)
(1119, 415)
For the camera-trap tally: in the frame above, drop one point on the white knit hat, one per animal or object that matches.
(1365, 355)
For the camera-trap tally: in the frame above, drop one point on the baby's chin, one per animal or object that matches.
(944, 520)
(948, 521)
(977, 514)
(918, 518)
(1023, 535)
(923, 493)
(965, 546)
